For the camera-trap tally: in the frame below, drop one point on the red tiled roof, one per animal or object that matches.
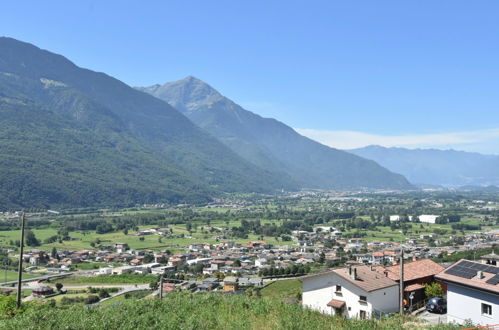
(366, 279)
(414, 270)
(413, 287)
(336, 303)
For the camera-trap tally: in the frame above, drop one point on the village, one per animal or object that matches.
(330, 269)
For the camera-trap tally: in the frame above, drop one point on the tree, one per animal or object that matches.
(125, 231)
(31, 239)
(433, 290)
(103, 293)
(53, 253)
(59, 286)
(92, 299)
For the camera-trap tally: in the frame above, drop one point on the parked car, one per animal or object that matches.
(437, 305)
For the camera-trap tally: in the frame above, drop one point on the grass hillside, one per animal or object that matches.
(283, 289)
(187, 311)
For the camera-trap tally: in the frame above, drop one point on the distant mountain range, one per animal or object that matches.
(448, 168)
(270, 144)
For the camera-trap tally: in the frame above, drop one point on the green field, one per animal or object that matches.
(108, 279)
(82, 240)
(283, 289)
(7, 276)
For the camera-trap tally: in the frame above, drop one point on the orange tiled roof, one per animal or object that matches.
(414, 270)
(367, 279)
(336, 303)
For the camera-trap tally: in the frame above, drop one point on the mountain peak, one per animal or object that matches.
(185, 94)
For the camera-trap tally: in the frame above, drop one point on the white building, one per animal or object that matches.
(428, 218)
(355, 292)
(472, 292)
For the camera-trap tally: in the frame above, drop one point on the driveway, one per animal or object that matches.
(433, 319)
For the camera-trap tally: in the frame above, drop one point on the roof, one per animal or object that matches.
(465, 272)
(366, 279)
(413, 287)
(414, 270)
(336, 303)
(491, 256)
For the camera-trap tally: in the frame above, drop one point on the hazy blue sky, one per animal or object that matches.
(409, 73)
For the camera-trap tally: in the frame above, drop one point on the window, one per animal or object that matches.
(486, 309)
(363, 298)
(362, 315)
(338, 289)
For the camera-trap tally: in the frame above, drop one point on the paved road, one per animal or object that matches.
(126, 289)
(434, 319)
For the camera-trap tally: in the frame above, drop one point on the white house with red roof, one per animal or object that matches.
(353, 292)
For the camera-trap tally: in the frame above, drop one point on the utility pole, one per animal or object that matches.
(161, 287)
(20, 269)
(401, 284)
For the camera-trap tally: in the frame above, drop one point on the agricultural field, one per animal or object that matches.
(7, 276)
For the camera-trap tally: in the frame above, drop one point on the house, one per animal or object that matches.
(209, 284)
(168, 287)
(230, 284)
(121, 247)
(255, 281)
(428, 218)
(472, 292)
(40, 290)
(353, 292)
(490, 259)
(416, 274)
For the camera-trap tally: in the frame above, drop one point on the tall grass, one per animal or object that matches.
(192, 311)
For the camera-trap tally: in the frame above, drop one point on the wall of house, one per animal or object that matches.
(318, 291)
(465, 303)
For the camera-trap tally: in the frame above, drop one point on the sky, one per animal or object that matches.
(415, 73)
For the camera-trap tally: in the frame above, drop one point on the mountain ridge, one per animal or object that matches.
(449, 168)
(272, 143)
(187, 161)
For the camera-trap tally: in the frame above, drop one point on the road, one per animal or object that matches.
(126, 289)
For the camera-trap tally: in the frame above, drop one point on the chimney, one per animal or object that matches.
(354, 274)
(479, 275)
(350, 270)
(386, 273)
(414, 258)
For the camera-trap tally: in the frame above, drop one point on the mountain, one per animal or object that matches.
(271, 144)
(74, 137)
(439, 167)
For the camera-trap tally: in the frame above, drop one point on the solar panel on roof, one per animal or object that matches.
(494, 280)
(466, 263)
(467, 274)
(491, 269)
(483, 267)
(476, 266)
(451, 271)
